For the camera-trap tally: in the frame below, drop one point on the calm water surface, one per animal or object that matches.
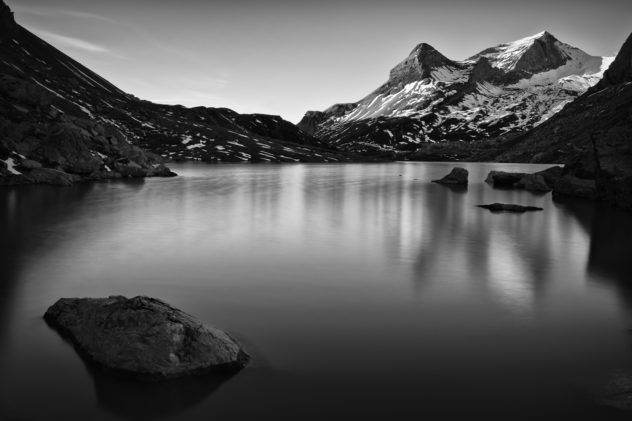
(363, 291)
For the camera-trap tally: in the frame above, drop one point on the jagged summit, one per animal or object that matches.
(515, 60)
(419, 64)
(525, 56)
(508, 88)
(425, 51)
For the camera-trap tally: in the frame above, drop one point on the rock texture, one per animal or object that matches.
(144, 337)
(430, 99)
(458, 176)
(57, 112)
(504, 179)
(541, 181)
(534, 183)
(503, 207)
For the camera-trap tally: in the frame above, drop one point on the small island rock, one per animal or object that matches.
(144, 337)
(533, 182)
(457, 176)
(504, 179)
(503, 207)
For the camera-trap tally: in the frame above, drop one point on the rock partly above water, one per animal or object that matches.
(144, 337)
(541, 181)
(458, 176)
(503, 207)
(534, 183)
(504, 179)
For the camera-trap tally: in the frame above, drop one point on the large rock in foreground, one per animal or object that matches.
(144, 337)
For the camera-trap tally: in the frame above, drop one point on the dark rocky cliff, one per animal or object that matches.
(592, 136)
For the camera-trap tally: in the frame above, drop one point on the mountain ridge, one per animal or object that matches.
(41, 87)
(592, 136)
(429, 98)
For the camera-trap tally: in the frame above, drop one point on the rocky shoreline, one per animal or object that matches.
(41, 144)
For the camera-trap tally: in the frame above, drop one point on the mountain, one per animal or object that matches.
(429, 98)
(57, 115)
(592, 136)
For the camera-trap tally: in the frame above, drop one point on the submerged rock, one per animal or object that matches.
(503, 207)
(144, 337)
(458, 176)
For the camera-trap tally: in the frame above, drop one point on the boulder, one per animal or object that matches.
(504, 179)
(50, 176)
(161, 170)
(533, 182)
(551, 174)
(29, 164)
(503, 207)
(67, 146)
(457, 176)
(144, 337)
(130, 169)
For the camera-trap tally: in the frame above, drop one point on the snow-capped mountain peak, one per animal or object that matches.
(428, 97)
(506, 56)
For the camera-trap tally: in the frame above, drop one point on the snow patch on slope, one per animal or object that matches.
(10, 163)
(580, 72)
(506, 56)
(400, 103)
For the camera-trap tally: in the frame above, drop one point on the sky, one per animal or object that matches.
(285, 57)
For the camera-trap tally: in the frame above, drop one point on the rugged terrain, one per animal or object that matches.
(592, 136)
(429, 98)
(57, 115)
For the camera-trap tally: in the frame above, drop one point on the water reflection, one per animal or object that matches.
(610, 256)
(328, 269)
(25, 212)
(136, 400)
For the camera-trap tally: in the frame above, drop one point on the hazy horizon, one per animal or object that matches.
(285, 58)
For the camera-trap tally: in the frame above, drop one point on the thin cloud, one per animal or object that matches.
(46, 12)
(71, 42)
(88, 16)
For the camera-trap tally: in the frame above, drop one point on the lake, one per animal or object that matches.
(362, 291)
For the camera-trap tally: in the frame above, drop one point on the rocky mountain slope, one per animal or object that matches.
(58, 115)
(592, 136)
(429, 98)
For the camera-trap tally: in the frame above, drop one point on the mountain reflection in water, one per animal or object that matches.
(363, 291)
